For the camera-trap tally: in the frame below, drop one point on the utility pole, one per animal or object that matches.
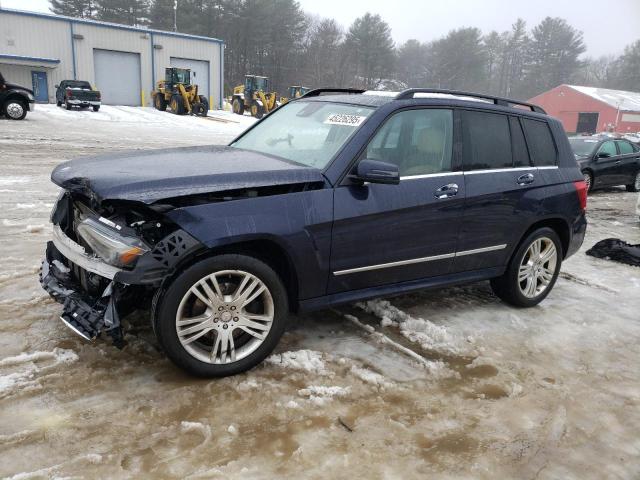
(175, 15)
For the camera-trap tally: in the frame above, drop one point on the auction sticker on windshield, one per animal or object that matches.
(345, 119)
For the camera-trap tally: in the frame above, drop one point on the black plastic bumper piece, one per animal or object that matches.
(85, 314)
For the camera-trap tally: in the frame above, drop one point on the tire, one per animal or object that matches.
(96, 108)
(177, 302)
(588, 179)
(516, 292)
(205, 105)
(177, 105)
(257, 110)
(15, 109)
(238, 106)
(67, 105)
(159, 102)
(635, 186)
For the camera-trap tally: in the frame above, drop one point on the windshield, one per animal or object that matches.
(309, 133)
(583, 147)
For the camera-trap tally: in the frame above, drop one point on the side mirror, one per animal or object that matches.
(56, 86)
(603, 155)
(374, 171)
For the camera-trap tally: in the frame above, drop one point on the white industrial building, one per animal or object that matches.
(39, 50)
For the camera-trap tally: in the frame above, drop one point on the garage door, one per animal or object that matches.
(117, 76)
(199, 72)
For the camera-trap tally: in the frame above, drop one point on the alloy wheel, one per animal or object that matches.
(537, 267)
(15, 110)
(587, 180)
(637, 182)
(225, 316)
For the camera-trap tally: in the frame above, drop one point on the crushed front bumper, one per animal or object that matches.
(85, 314)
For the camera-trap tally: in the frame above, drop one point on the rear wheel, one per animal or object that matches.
(177, 105)
(588, 179)
(159, 102)
(635, 186)
(15, 109)
(221, 316)
(532, 271)
(238, 106)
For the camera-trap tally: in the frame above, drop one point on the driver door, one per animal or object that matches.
(607, 168)
(384, 234)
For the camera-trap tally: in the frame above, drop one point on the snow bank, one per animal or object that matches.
(371, 377)
(321, 395)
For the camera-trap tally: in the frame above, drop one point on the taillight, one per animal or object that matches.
(581, 190)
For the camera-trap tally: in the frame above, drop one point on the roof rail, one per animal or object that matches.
(319, 91)
(506, 102)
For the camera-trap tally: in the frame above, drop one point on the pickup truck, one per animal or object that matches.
(15, 101)
(77, 93)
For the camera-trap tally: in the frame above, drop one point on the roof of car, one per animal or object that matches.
(378, 98)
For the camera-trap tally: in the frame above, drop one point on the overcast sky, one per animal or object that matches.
(608, 25)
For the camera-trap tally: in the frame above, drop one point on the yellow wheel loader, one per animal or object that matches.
(295, 91)
(254, 96)
(177, 92)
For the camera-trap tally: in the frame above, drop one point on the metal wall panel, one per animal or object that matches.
(117, 77)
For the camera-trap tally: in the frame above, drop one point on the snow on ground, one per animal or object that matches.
(447, 384)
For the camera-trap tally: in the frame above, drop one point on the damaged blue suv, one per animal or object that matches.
(339, 196)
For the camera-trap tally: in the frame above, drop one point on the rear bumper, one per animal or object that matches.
(578, 231)
(84, 103)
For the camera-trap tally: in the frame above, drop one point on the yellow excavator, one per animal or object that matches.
(254, 96)
(177, 92)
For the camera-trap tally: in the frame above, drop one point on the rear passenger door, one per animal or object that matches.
(499, 179)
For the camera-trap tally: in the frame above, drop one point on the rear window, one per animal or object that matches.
(541, 145)
(486, 141)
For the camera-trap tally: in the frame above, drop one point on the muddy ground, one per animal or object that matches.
(450, 384)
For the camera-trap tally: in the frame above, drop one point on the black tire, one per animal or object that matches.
(205, 106)
(67, 105)
(257, 110)
(508, 288)
(635, 186)
(177, 105)
(96, 108)
(159, 102)
(15, 109)
(238, 106)
(169, 298)
(588, 179)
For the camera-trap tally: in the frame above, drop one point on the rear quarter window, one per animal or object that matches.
(540, 141)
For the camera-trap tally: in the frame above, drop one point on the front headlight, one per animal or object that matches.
(115, 249)
(31, 99)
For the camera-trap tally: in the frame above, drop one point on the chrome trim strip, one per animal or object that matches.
(430, 175)
(76, 330)
(77, 255)
(548, 167)
(481, 250)
(394, 264)
(498, 170)
(420, 260)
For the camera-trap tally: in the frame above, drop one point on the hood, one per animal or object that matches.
(154, 175)
(11, 86)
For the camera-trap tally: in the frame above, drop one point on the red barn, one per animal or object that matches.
(591, 109)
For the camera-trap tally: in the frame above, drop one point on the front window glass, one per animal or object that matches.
(609, 148)
(418, 141)
(583, 147)
(309, 133)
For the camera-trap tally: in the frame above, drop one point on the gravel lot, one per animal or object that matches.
(444, 384)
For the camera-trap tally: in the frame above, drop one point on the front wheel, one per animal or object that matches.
(635, 186)
(15, 109)
(532, 271)
(67, 105)
(238, 106)
(96, 108)
(221, 316)
(588, 180)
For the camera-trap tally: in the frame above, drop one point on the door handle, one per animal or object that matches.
(446, 191)
(526, 179)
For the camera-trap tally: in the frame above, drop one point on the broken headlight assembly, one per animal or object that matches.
(114, 248)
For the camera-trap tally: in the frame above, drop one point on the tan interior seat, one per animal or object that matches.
(427, 156)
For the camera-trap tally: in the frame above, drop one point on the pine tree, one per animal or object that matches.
(126, 12)
(73, 8)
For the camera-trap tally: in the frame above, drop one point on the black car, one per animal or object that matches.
(607, 162)
(328, 200)
(15, 101)
(77, 93)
